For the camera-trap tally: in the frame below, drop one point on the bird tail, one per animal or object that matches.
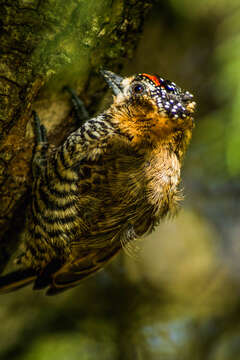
(16, 280)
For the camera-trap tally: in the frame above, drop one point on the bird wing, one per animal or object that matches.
(58, 277)
(70, 274)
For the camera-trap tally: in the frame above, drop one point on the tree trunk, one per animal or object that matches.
(45, 45)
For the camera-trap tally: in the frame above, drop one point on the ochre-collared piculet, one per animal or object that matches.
(109, 183)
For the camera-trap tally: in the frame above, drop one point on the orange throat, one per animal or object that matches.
(150, 126)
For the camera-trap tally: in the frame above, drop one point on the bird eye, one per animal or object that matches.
(138, 88)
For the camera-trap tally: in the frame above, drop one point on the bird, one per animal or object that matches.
(109, 183)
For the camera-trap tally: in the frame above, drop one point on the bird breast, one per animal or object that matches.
(128, 190)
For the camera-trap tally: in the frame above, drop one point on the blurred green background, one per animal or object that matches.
(180, 298)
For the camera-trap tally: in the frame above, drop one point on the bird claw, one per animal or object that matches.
(40, 130)
(80, 112)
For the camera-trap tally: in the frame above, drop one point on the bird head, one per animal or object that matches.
(149, 107)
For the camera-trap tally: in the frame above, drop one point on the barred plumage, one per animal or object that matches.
(109, 183)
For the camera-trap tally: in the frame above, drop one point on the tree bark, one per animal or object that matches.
(45, 45)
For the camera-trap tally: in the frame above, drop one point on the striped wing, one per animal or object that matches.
(71, 274)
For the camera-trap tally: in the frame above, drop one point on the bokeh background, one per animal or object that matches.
(178, 296)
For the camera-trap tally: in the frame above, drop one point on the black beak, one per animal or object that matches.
(114, 81)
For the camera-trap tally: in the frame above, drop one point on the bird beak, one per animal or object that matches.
(114, 81)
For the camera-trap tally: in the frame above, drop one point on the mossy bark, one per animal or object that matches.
(45, 45)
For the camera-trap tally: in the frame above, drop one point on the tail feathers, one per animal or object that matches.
(57, 276)
(71, 274)
(45, 278)
(16, 280)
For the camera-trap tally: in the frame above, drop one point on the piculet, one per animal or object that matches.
(109, 183)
